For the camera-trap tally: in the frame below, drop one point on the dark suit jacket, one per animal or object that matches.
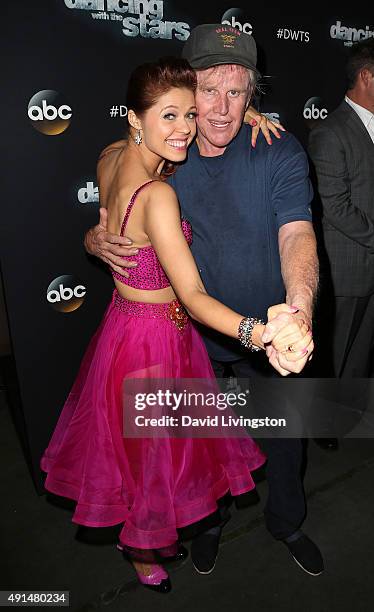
(343, 155)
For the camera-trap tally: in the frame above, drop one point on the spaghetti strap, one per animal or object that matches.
(131, 204)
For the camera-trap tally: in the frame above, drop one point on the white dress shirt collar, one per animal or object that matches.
(365, 115)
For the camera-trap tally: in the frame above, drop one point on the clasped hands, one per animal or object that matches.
(288, 339)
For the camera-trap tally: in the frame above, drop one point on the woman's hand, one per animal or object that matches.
(283, 365)
(260, 122)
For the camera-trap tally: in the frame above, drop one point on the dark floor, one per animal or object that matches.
(42, 549)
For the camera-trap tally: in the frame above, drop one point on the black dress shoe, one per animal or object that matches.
(329, 444)
(306, 553)
(204, 551)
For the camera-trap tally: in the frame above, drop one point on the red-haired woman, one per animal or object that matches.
(151, 485)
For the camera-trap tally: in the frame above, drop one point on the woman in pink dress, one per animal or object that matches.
(151, 485)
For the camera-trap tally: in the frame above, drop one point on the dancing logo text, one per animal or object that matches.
(88, 194)
(143, 18)
(348, 34)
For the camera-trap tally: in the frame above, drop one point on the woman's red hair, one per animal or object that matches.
(151, 80)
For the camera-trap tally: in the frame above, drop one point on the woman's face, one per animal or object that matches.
(169, 126)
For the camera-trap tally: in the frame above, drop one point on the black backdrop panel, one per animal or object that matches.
(79, 54)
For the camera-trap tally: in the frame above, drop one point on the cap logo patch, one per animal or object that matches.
(228, 40)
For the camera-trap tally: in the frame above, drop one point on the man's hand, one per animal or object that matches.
(260, 122)
(289, 339)
(110, 248)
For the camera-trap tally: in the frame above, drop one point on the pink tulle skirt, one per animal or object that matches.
(152, 485)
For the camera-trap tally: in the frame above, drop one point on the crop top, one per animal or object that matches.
(149, 273)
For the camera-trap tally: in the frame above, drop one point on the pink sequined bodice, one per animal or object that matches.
(148, 274)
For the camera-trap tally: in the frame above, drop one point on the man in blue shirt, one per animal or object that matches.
(236, 203)
(254, 246)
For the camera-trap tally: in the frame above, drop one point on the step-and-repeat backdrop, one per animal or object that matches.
(64, 79)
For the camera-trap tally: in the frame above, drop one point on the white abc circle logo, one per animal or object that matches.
(314, 110)
(49, 113)
(66, 293)
(234, 17)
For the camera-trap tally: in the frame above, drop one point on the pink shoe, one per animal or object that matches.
(158, 580)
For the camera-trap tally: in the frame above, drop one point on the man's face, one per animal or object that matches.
(221, 99)
(370, 91)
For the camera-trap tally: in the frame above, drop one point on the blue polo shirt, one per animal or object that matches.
(236, 203)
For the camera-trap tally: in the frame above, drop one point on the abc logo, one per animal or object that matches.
(235, 18)
(313, 110)
(88, 194)
(66, 293)
(49, 113)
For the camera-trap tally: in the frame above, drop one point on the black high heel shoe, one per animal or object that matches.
(180, 555)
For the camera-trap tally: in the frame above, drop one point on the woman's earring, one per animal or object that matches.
(138, 138)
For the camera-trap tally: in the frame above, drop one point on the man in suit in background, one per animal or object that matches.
(342, 150)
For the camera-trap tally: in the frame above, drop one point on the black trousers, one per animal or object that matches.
(345, 337)
(285, 507)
